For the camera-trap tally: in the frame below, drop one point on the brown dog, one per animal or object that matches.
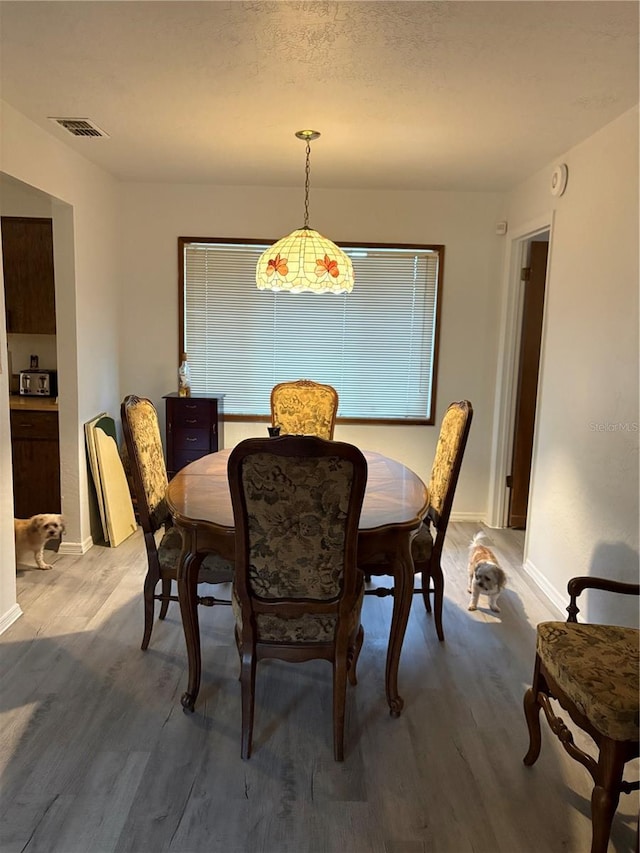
(32, 534)
(485, 575)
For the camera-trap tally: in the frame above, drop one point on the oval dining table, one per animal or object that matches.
(395, 502)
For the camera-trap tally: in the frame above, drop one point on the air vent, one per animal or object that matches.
(79, 126)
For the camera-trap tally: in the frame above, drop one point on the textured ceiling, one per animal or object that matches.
(407, 95)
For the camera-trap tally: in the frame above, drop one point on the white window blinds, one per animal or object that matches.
(376, 345)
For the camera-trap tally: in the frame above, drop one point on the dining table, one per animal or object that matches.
(395, 503)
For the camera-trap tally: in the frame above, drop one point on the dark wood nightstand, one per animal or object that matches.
(194, 428)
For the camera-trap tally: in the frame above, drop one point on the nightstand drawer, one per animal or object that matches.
(190, 413)
(191, 439)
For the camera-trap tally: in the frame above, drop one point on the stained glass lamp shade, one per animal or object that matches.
(305, 261)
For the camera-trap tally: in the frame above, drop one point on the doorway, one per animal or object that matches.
(533, 278)
(34, 224)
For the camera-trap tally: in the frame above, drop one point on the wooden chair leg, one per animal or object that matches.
(339, 701)
(605, 796)
(166, 592)
(426, 589)
(148, 592)
(438, 598)
(532, 716)
(354, 655)
(247, 687)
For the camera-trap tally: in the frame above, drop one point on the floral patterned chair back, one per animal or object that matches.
(146, 458)
(149, 477)
(447, 461)
(304, 407)
(297, 593)
(426, 548)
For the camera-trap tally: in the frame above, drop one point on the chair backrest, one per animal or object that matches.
(144, 447)
(447, 461)
(304, 407)
(296, 503)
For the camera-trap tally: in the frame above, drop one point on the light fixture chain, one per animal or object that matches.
(299, 264)
(307, 172)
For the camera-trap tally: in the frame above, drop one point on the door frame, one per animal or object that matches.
(508, 368)
(533, 292)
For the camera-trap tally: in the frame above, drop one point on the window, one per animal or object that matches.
(377, 345)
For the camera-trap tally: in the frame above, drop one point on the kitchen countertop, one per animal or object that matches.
(33, 404)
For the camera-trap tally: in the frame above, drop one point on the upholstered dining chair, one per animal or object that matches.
(149, 477)
(426, 548)
(297, 594)
(304, 407)
(592, 672)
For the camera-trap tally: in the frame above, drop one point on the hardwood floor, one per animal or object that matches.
(98, 756)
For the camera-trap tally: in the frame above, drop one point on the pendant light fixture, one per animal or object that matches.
(305, 261)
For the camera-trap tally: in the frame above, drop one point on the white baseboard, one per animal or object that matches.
(8, 618)
(558, 600)
(76, 549)
(468, 516)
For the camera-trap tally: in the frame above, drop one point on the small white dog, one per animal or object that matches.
(32, 534)
(485, 574)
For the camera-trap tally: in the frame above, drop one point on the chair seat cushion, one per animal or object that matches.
(597, 668)
(214, 568)
(422, 545)
(308, 628)
(421, 549)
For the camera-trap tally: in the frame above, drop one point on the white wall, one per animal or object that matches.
(116, 289)
(9, 609)
(583, 510)
(84, 206)
(154, 216)
(115, 249)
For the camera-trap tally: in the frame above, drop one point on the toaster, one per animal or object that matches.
(39, 383)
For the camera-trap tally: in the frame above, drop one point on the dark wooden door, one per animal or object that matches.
(527, 393)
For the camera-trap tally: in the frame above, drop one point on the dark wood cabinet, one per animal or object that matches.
(35, 447)
(194, 428)
(29, 288)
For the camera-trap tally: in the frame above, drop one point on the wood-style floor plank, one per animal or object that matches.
(97, 755)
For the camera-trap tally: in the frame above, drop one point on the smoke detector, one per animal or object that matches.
(79, 126)
(559, 179)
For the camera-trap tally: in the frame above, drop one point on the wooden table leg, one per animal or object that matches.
(188, 598)
(403, 592)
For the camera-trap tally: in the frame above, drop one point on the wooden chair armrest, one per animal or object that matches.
(577, 585)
